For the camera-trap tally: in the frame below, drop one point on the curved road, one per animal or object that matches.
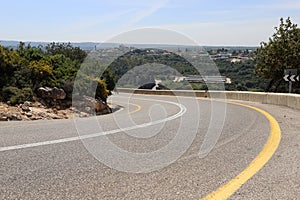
(170, 148)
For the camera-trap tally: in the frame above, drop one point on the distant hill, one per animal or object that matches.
(93, 45)
(14, 44)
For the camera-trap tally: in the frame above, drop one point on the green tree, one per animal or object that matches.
(40, 72)
(109, 79)
(86, 85)
(74, 53)
(282, 51)
(27, 68)
(9, 62)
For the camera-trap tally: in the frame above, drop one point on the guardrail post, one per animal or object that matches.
(290, 86)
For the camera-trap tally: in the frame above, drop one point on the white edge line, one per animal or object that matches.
(70, 139)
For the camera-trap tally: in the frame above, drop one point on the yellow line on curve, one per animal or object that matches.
(136, 105)
(261, 159)
(136, 110)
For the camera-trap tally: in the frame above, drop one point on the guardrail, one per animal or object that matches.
(283, 99)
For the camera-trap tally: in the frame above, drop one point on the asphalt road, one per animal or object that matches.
(154, 147)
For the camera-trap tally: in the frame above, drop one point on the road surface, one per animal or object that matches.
(62, 159)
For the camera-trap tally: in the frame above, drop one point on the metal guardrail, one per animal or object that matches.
(283, 99)
(205, 79)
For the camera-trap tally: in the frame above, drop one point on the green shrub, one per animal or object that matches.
(15, 95)
(101, 91)
(86, 85)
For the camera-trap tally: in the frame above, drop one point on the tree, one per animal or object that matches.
(282, 51)
(40, 72)
(74, 53)
(9, 63)
(109, 79)
(27, 68)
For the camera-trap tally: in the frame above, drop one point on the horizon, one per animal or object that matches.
(116, 43)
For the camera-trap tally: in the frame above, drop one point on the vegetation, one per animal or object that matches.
(260, 69)
(140, 68)
(140, 57)
(282, 51)
(242, 76)
(15, 95)
(27, 68)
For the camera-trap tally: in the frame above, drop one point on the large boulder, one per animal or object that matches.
(92, 104)
(51, 93)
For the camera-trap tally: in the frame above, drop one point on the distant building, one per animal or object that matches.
(234, 60)
(222, 56)
(179, 79)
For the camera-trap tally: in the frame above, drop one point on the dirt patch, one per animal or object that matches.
(32, 111)
(40, 111)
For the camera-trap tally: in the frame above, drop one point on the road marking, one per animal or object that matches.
(257, 164)
(136, 110)
(63, 140)
(259, 161)
(224, 191)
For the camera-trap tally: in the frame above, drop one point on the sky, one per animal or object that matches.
(207, 22)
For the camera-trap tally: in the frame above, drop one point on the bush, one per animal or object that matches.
(101, 91)
(16, 96)
(85, 85)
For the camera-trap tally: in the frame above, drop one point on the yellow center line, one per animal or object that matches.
(136, 110)
(258, 163)
(261, 159)
(133, 104)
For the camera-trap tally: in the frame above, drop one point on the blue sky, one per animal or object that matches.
(209, 22)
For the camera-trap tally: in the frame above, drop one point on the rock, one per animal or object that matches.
(14, 117)
(75, 110)
(25, 118)
(97, 105)
(3, 118)
(83, 114)
(52, 93)
(28, 114)
(35, 117)
(31, 111)
(87, 109)
(42, 114)
(52, 97)
(64, 113)
(53, 116)
(58, 93)
(25, 108)
(38, 104)
(27, 103)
